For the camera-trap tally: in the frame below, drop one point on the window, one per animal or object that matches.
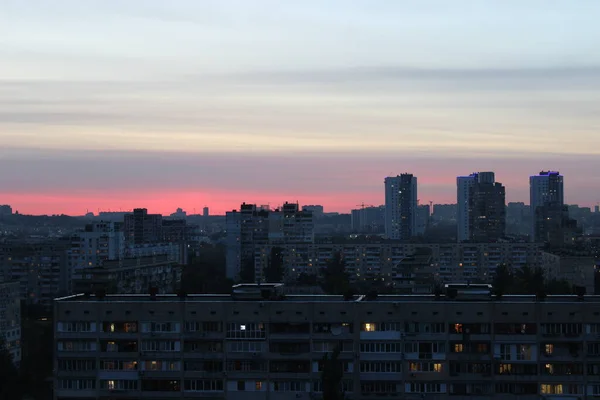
(258, 386)
(549, 349)
(423, 387)
(425, 367)
(246, 331)
(241, 385)
(381, 347)
(77, 345)
(369, 327)
(458, 348)
(524, 352)
(119, 384)
(77, 384)
(80, 326)
(546, 388)
(118, 365)
(160, 345)
(290, 386)
(505, 352)
(245, 347)
(76, 365)
(380, 366)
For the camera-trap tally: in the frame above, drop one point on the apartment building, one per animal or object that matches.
(452, 262)
(10, 319)
(40, 268)
(255, 226)
(254, 344)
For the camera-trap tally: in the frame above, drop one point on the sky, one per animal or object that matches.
(116, 104)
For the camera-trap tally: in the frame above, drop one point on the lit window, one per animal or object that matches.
(112, 327)
(458, 348)
(549, 348)
(437, 367)
(258, 386)
(369, 327)
(111, 385)
(242, 327)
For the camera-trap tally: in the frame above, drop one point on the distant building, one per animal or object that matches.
(423, 216)
(141, 227)
(132, 276)
(40, 269)
(547, 203)
(316, 210)
(174, 231)
(444, 212)
(92, 246)
(481, 208)
(205, 212)
(179, 214)
(463, 193)
(368, 219)
(5, 210)
(487, 209)
(10, 319)
(253, 226)
(401, 207)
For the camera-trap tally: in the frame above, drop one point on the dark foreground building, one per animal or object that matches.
(258, 344)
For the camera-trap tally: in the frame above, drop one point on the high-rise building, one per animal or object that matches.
(548, 208)
(487, 209)
(481, 208)
(463, 186)
(141, 227)
(253, 226)
(401, 206)
(423, 216)
(205, 212)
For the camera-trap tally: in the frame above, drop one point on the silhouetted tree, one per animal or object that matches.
(306, 279)
(10, 384)
(555, 286)
(336, 279)
(247, 274)
(206, 272)
(331, 377)
(503, 280)
(274, 271)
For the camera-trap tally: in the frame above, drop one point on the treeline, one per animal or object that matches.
(527, 280)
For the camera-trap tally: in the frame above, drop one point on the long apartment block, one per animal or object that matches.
(256, 344)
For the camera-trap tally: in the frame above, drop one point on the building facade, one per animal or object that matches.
(402, 347)
(452, 262)
(140, 227)
(547, 204)
(401, 207)
(253, 227)
(41, 269)
(487, 209)
(10, 319)
(463, 192)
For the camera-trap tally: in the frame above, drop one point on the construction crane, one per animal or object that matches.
(363, 205)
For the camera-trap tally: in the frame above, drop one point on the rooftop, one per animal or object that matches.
(195, 298)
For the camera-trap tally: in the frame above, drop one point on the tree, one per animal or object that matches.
(555, 286)
(503, 280)
(206, 272)
(331, 377)
(306, 279)
(10, 385)
(247, 274)
(336, 279)
(274, 271)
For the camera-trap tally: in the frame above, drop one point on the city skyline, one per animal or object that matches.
(186, 104)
